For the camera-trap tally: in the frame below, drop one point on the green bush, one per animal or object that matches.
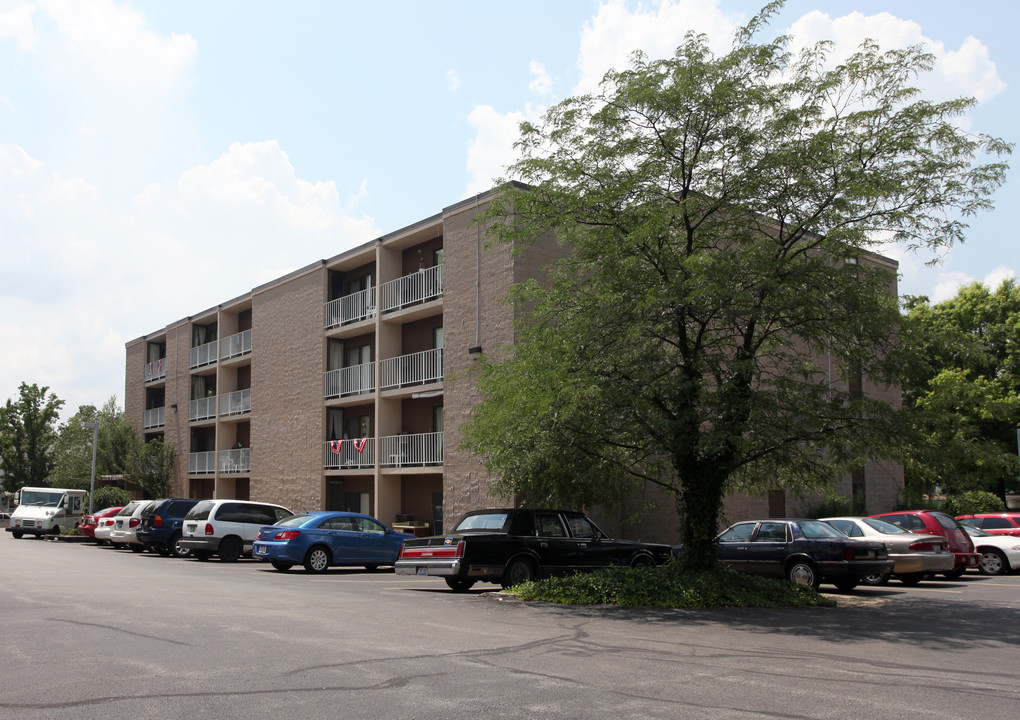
(109, 496)
(973, 501)
(669, 586)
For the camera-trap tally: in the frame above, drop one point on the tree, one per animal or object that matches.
(110, 496)
(716, 309)
(152, 467)
(27, 437)
(961, 389)
(73, 447)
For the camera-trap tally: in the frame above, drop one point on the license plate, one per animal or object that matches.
(423, 571)
(261, 550)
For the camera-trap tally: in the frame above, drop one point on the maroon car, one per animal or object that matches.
(933, 522)
(1004, 523)
(90, 522)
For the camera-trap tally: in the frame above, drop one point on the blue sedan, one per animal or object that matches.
(319, 540)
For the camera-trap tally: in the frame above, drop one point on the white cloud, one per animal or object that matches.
(491, 150)
(452, 80)
(541, 82)
(998, 276)
(17, 23)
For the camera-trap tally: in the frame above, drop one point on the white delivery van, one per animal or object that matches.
(43, 511)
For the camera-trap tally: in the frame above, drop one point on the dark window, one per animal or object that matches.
(995, 523)
(771, 532)
(549, 526)
(738, 533)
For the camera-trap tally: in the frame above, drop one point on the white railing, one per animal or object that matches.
(411, 450)
(341, 454)
(426, 284)
(414, 369)
(235, 461)
(154, 418)
(235, 345)
(201, 463)
(155, 370)
(203, 354)
(202, 409)
(235, 403)
(349, 380)
(351, 308)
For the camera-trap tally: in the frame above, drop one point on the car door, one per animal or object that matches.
(734, 545)
(343, 538)
(767, 550)
(375, 545)
(592, 549)
(557, 551)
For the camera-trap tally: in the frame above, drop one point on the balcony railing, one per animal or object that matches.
(235, 403)
(414, 369)
(154, 418)
(155, 370)
(352, 380)
(232, 462)
(421, 286)
(202, 409)
(351, 308)
(342, 454)
(418, 450)
(203, 355)
(201, 463)
(235, 345)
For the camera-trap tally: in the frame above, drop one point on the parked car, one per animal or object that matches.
(994, 523)
(1000, 554)
(806, 552)
(227, 528)
(125, 523)
(914, 555)
(319, 540)
(90, 522)
(5, 519)
(104, 527)
(509, 546)
(934, 522)
(161, 523)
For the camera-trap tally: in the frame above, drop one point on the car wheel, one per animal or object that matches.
(518, 571)
(954, 574)
(911, 578)
(881, 579)
(802, 572)
(845, 585)
(176, 549)
(230, 550)
(281, 566)
(17, 535)
(459, 585)
(202, 555)
(642, 561)
(993, 562)
(136, 548)
(317, 559)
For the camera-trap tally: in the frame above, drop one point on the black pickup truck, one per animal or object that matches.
(511, 546)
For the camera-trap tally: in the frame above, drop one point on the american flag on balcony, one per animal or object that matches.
(360, 444)
(336, 446)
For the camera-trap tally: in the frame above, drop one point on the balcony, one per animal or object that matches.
(421, 450)
(203, 355)
(201, 463)
(154, 418)
(202, 409)
(350, 308)
(234, 462)
(415, 369)
(235, 345)
(235, 403)
(344, 454)
(155, 370)
(353, 380)
(418, 287)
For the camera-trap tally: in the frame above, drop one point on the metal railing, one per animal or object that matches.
(235, 345)
(154, 418)
(411, 450)
(232, 462)
(421, 286)
(414, 369)
(351, 308)
(202, 463)
(352, 380)
(203, 355)
(342, 454)
(155, 370)
(202, 409)
(236, 403)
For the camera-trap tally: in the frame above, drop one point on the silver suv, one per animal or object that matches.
(227, 527)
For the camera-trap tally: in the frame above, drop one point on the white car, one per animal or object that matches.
(125, 525)
(103, 529)
(227, 528)
(1000, 554)
(915, 554)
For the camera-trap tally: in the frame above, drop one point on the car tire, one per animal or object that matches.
(882, 579)
(911, 578)
(642, 561)
(230, 550)
(993, 562)
(954, 574)
(201, 555)
(281, 566)
(845, 585)
(317, 559)
(803, 572)
(136, 548)
(518, 570)
(459, 585)
(176, 549)
(17, 535)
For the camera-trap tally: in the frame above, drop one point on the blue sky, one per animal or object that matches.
(157, 158)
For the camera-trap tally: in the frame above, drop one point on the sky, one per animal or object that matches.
(158, 158)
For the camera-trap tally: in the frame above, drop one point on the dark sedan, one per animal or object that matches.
(807, 552)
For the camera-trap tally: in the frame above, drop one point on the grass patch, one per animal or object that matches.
(669, 586)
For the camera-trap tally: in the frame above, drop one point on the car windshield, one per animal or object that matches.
(884, 527)
(976, 532)
(129, 508)
(818, 529)
(483, 521)
(294, 520)
(41, 498)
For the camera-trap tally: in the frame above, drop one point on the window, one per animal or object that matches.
(738, 533)
(549, 526)
(581, 527)
(771, 532)
(995, 524)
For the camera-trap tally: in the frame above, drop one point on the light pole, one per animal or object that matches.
(95, 437)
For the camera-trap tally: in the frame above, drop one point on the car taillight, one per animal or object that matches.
(926, 546)
(286, 535)
(135, 522)
(209, 529)
(448, 551)
(157, 521)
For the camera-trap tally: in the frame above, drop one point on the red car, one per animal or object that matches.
(933, 522)
(89, 522)
(1004, 523)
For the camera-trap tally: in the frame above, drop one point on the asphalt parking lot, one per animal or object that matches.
(91, 631)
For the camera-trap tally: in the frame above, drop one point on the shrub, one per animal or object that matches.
(973, 501)
(110, 496)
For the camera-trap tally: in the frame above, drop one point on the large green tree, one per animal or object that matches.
(961, 388)
(152, 467)
(27, 436)
(717, 307)
(73, 447)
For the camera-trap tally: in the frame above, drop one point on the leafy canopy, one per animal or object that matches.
(26, 437)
